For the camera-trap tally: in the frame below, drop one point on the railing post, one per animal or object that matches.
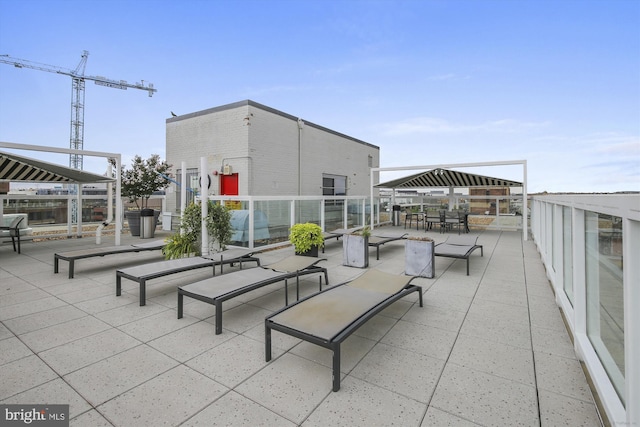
(251, 224)
(631, 278)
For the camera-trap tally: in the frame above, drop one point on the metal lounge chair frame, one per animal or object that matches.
(365, 295)
(217, 290)
(101, 251)
(154, 270)
(459, 247)
(14, 232)
(377, 240)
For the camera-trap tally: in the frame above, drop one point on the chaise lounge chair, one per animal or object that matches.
(331, 316)
(216, 290)
(379, 239)
(142, 273)
(100, 251)
(458, 247)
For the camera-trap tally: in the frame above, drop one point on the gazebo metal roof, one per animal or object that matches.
(18, 168)
(447, 178)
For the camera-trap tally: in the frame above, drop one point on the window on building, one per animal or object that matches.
(334, 185)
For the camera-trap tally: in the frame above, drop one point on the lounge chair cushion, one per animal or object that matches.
(328, 313)
(458, 247)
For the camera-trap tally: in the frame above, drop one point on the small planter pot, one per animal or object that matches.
(419, 258)
(313, 252)
(355, 251)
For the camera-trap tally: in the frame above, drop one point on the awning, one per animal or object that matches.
(18, 168)
(447, 178)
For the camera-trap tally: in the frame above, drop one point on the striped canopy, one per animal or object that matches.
(447, 178)
(18, 168)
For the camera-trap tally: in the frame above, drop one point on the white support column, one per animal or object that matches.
(119, 213)
(451, 200)
(204, 203)
(525, 210)
(251, 223)
(183, 191)
(69, 214)
(79, 204)
(345, 214)
(371, 187)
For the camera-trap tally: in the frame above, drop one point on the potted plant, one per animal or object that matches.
(419, 257)
(355, 248)
(186, 242)
(307, 238)
(139, 182)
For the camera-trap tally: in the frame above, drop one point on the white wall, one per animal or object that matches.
(261, 144)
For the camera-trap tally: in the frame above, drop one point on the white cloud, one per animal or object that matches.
(629, 146)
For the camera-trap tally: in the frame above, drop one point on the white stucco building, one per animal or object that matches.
(255, 150)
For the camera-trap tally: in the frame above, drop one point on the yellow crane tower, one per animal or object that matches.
(77, 95)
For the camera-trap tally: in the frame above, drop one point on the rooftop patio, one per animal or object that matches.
(490, 348)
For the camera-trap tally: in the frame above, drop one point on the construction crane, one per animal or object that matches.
(77, 95)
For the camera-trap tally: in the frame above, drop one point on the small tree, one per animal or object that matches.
(145, 177)
(219, 224)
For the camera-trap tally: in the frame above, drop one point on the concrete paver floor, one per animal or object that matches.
(487, 349)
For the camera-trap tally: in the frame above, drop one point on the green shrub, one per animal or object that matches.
(305, 236)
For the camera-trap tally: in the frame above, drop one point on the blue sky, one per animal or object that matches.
(430, 82)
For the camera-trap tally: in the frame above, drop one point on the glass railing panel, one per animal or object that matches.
(307, 211)
(605, 295)
(271, 222)
(40, 211)
(239, 221)
(354, 213)
(333, 214)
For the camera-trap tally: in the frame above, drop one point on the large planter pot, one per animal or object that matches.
(355, 251)
(419, 258)
(133, 219)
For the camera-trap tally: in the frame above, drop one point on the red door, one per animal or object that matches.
(229, 185)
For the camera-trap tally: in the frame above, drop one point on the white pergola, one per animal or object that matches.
(523, 163)
(47, 172)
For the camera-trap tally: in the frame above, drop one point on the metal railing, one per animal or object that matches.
(51, 216)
